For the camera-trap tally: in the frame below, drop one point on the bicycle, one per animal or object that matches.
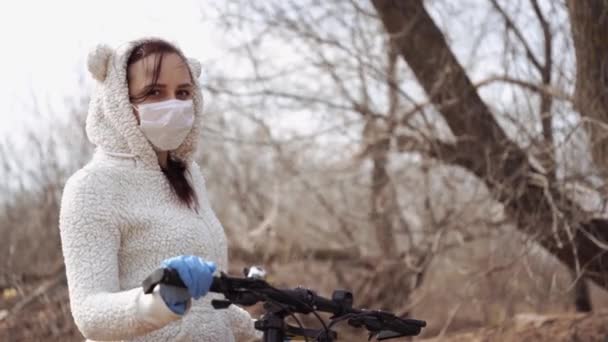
(282, 303)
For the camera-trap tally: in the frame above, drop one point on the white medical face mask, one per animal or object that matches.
(166, 124)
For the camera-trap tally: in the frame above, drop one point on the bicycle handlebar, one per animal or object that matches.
(249, 291)
(300, 299)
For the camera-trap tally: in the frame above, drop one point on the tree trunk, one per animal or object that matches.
(589, 22)
(582, 297)
(530, 198)
(382, 204)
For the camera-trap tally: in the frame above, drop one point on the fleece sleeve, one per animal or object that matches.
(242, 324)
(90, 239)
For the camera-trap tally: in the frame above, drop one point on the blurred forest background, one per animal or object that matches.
(453, 173)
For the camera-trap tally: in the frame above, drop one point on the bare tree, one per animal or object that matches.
(589, 22)
(544, 68)
(340, 71)
(532, 200)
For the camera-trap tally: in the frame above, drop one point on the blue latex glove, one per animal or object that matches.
(175, 297)
(197, 275)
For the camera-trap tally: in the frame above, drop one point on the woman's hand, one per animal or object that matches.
(196, 274)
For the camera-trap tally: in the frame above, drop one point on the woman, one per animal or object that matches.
(141, 203)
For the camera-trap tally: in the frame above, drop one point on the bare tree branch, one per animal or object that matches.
(530, 199)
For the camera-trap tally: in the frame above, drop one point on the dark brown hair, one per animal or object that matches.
(176, 169)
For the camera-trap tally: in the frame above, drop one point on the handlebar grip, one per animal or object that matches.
(162, 275)
(170, 276)
(216, 285)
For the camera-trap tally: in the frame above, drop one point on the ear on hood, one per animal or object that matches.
(98, 60)
(111, 123)
(195, 67)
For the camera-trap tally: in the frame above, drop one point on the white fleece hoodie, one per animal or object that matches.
(119, 219)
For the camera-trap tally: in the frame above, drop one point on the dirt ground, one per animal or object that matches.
(530, 327)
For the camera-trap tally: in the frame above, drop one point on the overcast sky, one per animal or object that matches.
(44, 45)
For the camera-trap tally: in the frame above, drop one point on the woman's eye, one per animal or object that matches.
(153, 92)
(183, 93)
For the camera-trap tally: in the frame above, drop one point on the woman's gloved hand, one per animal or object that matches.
(196, 274)
(176, 298)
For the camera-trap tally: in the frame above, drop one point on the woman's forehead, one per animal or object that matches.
(172, 68)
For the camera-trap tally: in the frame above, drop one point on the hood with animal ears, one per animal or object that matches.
(111, 124)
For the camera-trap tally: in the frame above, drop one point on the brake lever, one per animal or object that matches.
(386, 325)
(388, 334)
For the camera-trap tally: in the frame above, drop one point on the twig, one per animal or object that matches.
(46, 286)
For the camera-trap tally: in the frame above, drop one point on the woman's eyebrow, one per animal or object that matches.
(161, 85)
